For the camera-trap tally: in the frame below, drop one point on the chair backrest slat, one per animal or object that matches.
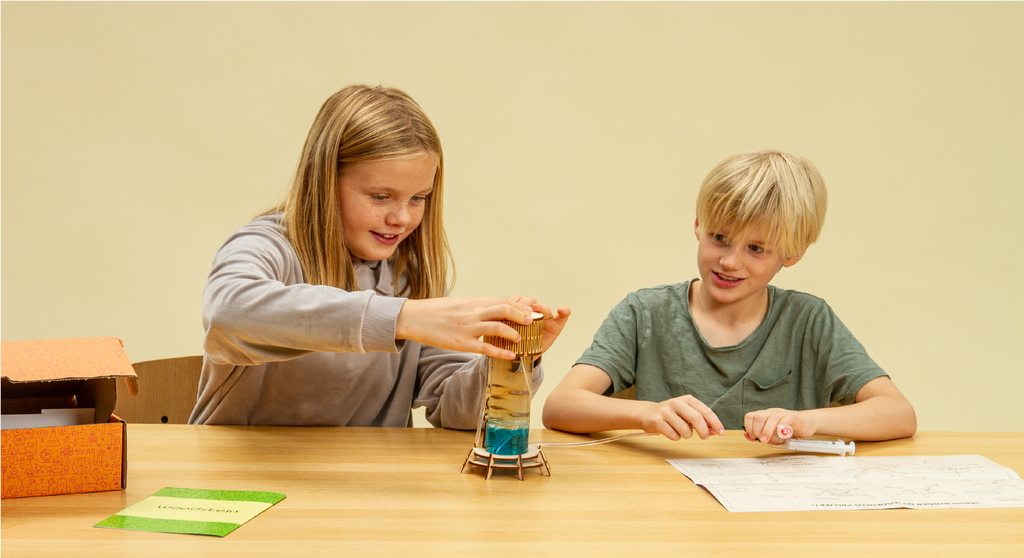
(167, 391)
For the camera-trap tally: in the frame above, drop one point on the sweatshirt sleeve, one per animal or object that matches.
(257, 307)
(451, 387)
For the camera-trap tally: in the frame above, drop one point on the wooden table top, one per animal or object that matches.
(400, 492)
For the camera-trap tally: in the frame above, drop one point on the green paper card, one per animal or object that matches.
(193, 511)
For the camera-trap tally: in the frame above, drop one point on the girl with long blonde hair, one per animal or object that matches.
(331, 309)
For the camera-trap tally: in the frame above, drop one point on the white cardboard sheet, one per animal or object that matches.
(808, 482)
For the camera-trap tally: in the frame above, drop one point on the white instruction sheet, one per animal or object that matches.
(808, 482)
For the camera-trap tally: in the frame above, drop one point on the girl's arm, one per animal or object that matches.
(257, 307)
(880, 412)
(459, 323)
(451, 388)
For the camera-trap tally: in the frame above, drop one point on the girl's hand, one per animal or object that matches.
(554, 321)
(680, 417)
(459, 323)
(763, 426)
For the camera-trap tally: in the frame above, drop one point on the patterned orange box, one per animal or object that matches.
(63, 374)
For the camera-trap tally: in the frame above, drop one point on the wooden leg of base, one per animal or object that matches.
(544, 466)
(490, 467)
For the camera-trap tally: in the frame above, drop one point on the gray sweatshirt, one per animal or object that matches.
(279, 351)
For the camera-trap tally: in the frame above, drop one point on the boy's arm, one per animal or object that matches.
(577, 404)
(880, 412)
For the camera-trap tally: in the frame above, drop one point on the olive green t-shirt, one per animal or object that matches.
(800, 357)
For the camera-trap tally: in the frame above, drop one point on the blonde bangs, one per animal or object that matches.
(774, 194)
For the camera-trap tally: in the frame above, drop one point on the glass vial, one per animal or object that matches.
(508, 405)
(510, 390)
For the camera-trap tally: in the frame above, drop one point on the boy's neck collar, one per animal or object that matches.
(752, 308)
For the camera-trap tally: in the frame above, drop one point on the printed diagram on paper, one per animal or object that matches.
(807, 482)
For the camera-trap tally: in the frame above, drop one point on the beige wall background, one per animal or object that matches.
(138, 136)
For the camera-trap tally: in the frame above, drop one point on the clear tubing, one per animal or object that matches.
(507, 413)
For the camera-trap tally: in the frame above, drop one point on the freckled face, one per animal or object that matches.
(382, 203)
(739, 269)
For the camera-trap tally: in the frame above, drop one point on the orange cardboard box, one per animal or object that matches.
(62, 378)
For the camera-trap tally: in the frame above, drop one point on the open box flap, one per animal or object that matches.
(64, 359)
(63, 373)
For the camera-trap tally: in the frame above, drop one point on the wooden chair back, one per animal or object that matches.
(167, 391)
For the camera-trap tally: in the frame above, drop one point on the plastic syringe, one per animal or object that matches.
(837, 447)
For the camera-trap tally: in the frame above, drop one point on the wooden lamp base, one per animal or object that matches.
(533, 458)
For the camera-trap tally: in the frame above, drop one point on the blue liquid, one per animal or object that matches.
(507, 441)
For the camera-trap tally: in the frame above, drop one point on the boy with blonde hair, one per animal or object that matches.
(728, 350)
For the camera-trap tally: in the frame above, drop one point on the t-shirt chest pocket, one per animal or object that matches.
(770, 388)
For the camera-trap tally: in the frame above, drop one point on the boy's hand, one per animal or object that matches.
(763, 426)
(680, 417)
(554, 321)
